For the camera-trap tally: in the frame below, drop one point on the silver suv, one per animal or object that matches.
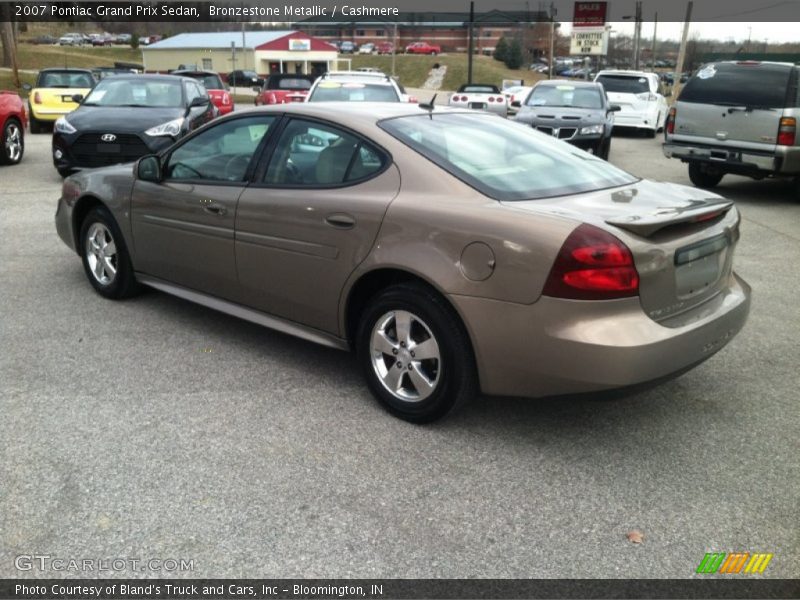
(737, 117)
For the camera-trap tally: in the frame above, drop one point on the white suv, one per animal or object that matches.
(642, 106)
(356, 86)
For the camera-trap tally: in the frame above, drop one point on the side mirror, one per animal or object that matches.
(148, 168)
(516, 104)
(614, 108)
(200, 101)
(27, 87)
(77, 98)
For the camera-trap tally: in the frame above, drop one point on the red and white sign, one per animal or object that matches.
(590, 14)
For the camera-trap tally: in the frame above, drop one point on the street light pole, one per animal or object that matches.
(552, 39)
(653, 51)
(637, 35)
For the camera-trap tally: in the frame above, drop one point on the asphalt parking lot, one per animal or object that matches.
(155, 428)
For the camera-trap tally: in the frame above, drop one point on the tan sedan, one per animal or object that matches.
(453, 251)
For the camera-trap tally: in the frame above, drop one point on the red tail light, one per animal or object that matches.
(37, 99)
(671, 120)
(491, 99)
(786, 131)
(592, 265)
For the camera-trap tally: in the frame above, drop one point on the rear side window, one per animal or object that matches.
(624, 84)
(729, 84)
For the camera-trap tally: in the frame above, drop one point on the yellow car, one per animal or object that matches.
(52, 96)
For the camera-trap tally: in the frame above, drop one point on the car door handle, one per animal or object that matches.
(340, 221)
(214, 208)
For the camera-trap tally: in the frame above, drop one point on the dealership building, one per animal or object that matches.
(264, 52)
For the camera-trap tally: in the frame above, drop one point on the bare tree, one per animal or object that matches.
(9, 41)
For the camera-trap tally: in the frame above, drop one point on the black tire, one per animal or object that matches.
(650, 133)
(14, 131)
(36, 125)
(64, 172)
(604, 148)
(453, 372)
(123, 283)
(703, 176)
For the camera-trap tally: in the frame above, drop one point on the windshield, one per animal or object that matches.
(334, 91)
(624, 84)
(65, 79)
(730, 84)
(565, 95)
(502, 159)
(136, 92)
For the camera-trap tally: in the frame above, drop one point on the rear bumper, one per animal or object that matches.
(639, 120)
(556, 347)
(785, 160)
(50, 114)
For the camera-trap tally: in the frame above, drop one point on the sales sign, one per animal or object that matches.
(589, 14)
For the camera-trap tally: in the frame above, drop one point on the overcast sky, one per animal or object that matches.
(772, 32)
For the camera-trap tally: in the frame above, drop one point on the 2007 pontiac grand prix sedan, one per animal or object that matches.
(454, 251)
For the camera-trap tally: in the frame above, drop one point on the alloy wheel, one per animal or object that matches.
(13, 142)
(101, 253)
(405, 356)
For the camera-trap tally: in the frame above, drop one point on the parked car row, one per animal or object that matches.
(94, 39)
(349, 47)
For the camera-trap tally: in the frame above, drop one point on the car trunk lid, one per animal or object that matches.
(681, 238)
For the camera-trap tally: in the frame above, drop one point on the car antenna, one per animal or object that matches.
(428, 105)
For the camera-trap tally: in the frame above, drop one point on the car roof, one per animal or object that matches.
(364, 113)
(569, 82)
(153, 77)
(369, 74)
(62, 69)
(626, 72)
(190, 72)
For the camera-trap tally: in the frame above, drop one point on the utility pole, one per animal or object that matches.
(394, 48)
(676, 79)
(233, 63)
(637, 35)
(471, 44)
(653, 50)
(552, 40)
(244, 51)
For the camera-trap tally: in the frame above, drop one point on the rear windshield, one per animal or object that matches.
(479, 89)
(624, 84)
(288, 83)
(334, 91)
(211, 82)
(730, 84)
(65, 79)
(565, 95)
(503, 160)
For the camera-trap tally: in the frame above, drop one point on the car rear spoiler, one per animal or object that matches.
(647, 224)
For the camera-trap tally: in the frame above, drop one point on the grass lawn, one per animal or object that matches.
(30, 56)
(6, 81)
(413, 70)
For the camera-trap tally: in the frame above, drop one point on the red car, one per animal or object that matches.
(217, 91)
(12, 128)
(384, 48)
(283, 88)
(423, 48)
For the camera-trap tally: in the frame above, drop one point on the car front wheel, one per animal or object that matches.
(12, 143)
(415, 354)
(105, 256)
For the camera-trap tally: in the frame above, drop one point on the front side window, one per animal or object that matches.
(220, 154)
(312, 154)
(502, 159)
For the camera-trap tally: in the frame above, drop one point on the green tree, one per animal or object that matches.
(501, 50)
(514, 57)
(134, 40)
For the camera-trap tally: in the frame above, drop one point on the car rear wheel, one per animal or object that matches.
(415, 354)
(604, 148)
(12, 143)
(105, 256)
(704, 176)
